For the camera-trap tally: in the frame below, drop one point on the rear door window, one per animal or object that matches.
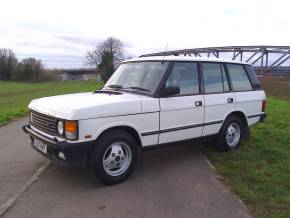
(214, 78)
(239, 78)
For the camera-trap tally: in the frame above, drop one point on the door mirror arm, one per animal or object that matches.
(169, 91)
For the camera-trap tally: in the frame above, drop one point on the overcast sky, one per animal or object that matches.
(59, 32)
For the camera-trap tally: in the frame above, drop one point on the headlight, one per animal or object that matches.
(71, 129)
(60, 129)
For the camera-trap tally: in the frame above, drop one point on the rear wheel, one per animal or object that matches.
(114, 157)
(231, 134)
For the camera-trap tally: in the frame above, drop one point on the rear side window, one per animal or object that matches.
(225, 79)
(185, 76)
(239, 78)
(214, 77)
(253, 77)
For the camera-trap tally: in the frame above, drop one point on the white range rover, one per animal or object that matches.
(147, 102)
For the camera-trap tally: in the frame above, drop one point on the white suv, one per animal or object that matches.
(148, 102)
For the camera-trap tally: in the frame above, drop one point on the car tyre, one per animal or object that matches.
(114, 157)
(231, 134)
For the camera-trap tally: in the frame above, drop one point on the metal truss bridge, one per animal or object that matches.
(78, 70)
(266, 59)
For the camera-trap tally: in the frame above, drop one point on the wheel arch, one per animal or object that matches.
(221, 144)
(131, 130)
(240, 114)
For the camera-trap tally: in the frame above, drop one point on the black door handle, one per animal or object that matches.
(198, 103)
(230, 100)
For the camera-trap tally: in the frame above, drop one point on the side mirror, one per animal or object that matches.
(171, 90)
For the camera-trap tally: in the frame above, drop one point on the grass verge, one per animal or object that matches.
(259, 172)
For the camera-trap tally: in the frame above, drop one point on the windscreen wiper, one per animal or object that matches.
(114, 86)
(137, 88)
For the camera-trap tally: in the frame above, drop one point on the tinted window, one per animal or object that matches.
(253, 77)
(225, 79)
(185, 76)
(212, 77)
(146, 75)
(239, 78)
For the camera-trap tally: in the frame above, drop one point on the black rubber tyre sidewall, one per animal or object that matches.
(222, 144)
(101, 146)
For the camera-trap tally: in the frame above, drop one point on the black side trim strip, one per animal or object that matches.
(200, 139)
(181, 128)
(213, 122)
(255, 115)
(149, 133)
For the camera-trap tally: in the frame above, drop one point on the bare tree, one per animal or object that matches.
(106, 56)
(8, 63)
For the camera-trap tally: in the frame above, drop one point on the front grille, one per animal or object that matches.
(44, 123)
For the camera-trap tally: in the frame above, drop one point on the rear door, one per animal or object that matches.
(181, 116)
(219, 101)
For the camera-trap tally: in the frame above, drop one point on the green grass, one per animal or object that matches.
(15, 96)
(259, 172)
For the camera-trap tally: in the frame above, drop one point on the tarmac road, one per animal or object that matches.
(17, 162)
(171, 182)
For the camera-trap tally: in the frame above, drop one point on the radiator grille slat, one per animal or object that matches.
(44, 123)
(49, 119)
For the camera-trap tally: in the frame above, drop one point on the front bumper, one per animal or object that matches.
(76, 154)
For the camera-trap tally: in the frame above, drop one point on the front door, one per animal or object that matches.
(181, 115)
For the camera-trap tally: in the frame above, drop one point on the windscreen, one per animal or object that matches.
(138, 76)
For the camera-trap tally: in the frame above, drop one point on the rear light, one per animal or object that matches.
(263, 105)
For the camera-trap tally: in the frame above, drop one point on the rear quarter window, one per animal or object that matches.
(253, 77)
(239, 78)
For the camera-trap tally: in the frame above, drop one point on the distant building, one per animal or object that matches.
(79, 74)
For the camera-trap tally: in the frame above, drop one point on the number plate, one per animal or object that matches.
(40, 146)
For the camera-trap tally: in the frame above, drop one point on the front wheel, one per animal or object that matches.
(230, 134)
(114, 157)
